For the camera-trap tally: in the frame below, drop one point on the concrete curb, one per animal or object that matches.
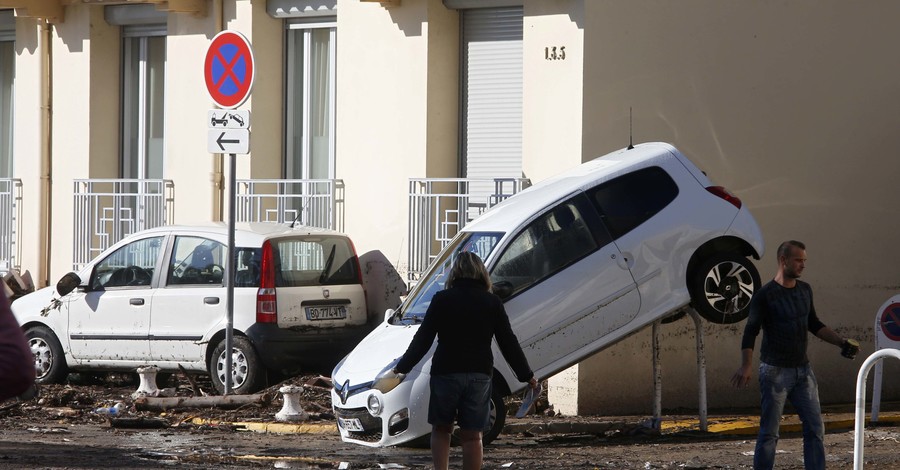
(748, 426)
(725, 426)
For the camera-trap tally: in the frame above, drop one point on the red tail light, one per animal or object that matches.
(266, 300)
(726, 195)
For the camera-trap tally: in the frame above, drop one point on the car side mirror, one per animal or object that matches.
(67, 284)
(389, 313)
(502, 289)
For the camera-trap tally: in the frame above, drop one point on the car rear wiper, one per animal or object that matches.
(327, 267)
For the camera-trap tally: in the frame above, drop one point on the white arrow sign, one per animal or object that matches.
(235, 141)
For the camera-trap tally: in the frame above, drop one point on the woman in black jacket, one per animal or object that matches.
(464, 317)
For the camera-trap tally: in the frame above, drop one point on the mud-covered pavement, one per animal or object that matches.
(61, 430)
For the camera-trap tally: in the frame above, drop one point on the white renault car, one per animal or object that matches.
(158, 297)
(582, 260)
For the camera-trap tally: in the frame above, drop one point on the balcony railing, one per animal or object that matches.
(108, 210)
(441, 207)
(312, 202)
(10, 223)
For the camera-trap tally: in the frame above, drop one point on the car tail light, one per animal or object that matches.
(726, 195)
(266, 299)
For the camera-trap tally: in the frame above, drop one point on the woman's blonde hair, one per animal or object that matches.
(468, 266)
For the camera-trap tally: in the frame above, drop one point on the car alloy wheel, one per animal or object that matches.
(723, 286)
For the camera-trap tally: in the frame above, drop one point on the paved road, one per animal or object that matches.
(582, 443)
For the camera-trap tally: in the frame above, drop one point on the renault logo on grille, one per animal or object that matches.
(345, 390)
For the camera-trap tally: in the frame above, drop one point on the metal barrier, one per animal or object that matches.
(316, 203)
(859, 436)
(441, 207)
(701, 372)
(108, 210)
(10, 223)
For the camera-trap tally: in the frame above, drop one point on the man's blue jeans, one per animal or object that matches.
(797, 384)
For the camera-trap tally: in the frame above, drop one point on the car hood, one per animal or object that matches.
(28, 307)
(375, 353)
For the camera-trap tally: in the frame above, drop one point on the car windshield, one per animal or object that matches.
(480, 243)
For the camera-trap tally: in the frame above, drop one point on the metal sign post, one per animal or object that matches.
(228, 71)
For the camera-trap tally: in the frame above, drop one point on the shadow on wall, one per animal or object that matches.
(384, 285)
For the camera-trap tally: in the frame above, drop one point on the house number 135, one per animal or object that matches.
(555, 53)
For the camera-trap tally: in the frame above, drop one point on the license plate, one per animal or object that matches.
(326, 312)
(350, 424)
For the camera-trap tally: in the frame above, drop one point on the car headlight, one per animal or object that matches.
(374, 405)
(387, 381)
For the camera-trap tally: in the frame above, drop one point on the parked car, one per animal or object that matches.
(581, 260)
(159, 297)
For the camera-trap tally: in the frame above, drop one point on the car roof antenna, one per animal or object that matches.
(299, 213)
(630, 132)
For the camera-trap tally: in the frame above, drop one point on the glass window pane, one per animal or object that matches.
(629, 200)
(144, 62)
(197, 261)
(131, 265)
(7, 87)
(155, 99)
(310, 94)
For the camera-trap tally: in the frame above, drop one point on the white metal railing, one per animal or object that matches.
(10, 223)
(312, 202)
(440, 207)
(108, 210)
(859, 436)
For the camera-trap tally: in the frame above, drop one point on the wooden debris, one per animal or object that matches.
(224, 402)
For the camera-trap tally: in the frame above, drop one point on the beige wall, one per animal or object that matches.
(388, 60)
(552, 121)
(791, 105)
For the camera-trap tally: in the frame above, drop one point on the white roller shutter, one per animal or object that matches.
(492, 102)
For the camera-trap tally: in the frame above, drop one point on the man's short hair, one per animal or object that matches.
(784, 250)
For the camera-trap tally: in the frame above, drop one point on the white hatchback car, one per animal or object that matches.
(158, 297)
(582, 260)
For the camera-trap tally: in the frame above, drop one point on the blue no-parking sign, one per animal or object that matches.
(228, 69)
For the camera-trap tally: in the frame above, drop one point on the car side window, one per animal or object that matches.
(556, 239)
(197, 260)
(630, 200)
(129, 266)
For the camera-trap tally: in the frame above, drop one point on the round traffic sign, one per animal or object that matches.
(890, 321)
(228, 69)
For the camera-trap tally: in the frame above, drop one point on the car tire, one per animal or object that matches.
(49, 358)
(248, 372)
(721, 288)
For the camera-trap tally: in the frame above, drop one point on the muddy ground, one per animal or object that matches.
(61, 430)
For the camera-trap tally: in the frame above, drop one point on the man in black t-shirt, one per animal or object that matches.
(783, 309)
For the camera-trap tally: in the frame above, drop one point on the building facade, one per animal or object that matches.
(357, 104)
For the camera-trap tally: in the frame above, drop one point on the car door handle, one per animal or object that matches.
(211, 300)
(136, 301)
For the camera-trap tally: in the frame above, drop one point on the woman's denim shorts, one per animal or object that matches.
(464, 398)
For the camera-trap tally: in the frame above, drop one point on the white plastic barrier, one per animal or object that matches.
(887, 335)
(859, 437)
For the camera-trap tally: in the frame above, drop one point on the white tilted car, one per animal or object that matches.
(582, 260)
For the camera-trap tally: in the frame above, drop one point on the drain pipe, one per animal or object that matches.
(45, 201)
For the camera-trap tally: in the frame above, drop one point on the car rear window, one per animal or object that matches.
(629, 200)
(314, 261)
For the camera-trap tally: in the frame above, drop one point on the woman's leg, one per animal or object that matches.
(473, 454)
(440, 446)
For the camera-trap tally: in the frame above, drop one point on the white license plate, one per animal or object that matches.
(351, 424)
(326, 312)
